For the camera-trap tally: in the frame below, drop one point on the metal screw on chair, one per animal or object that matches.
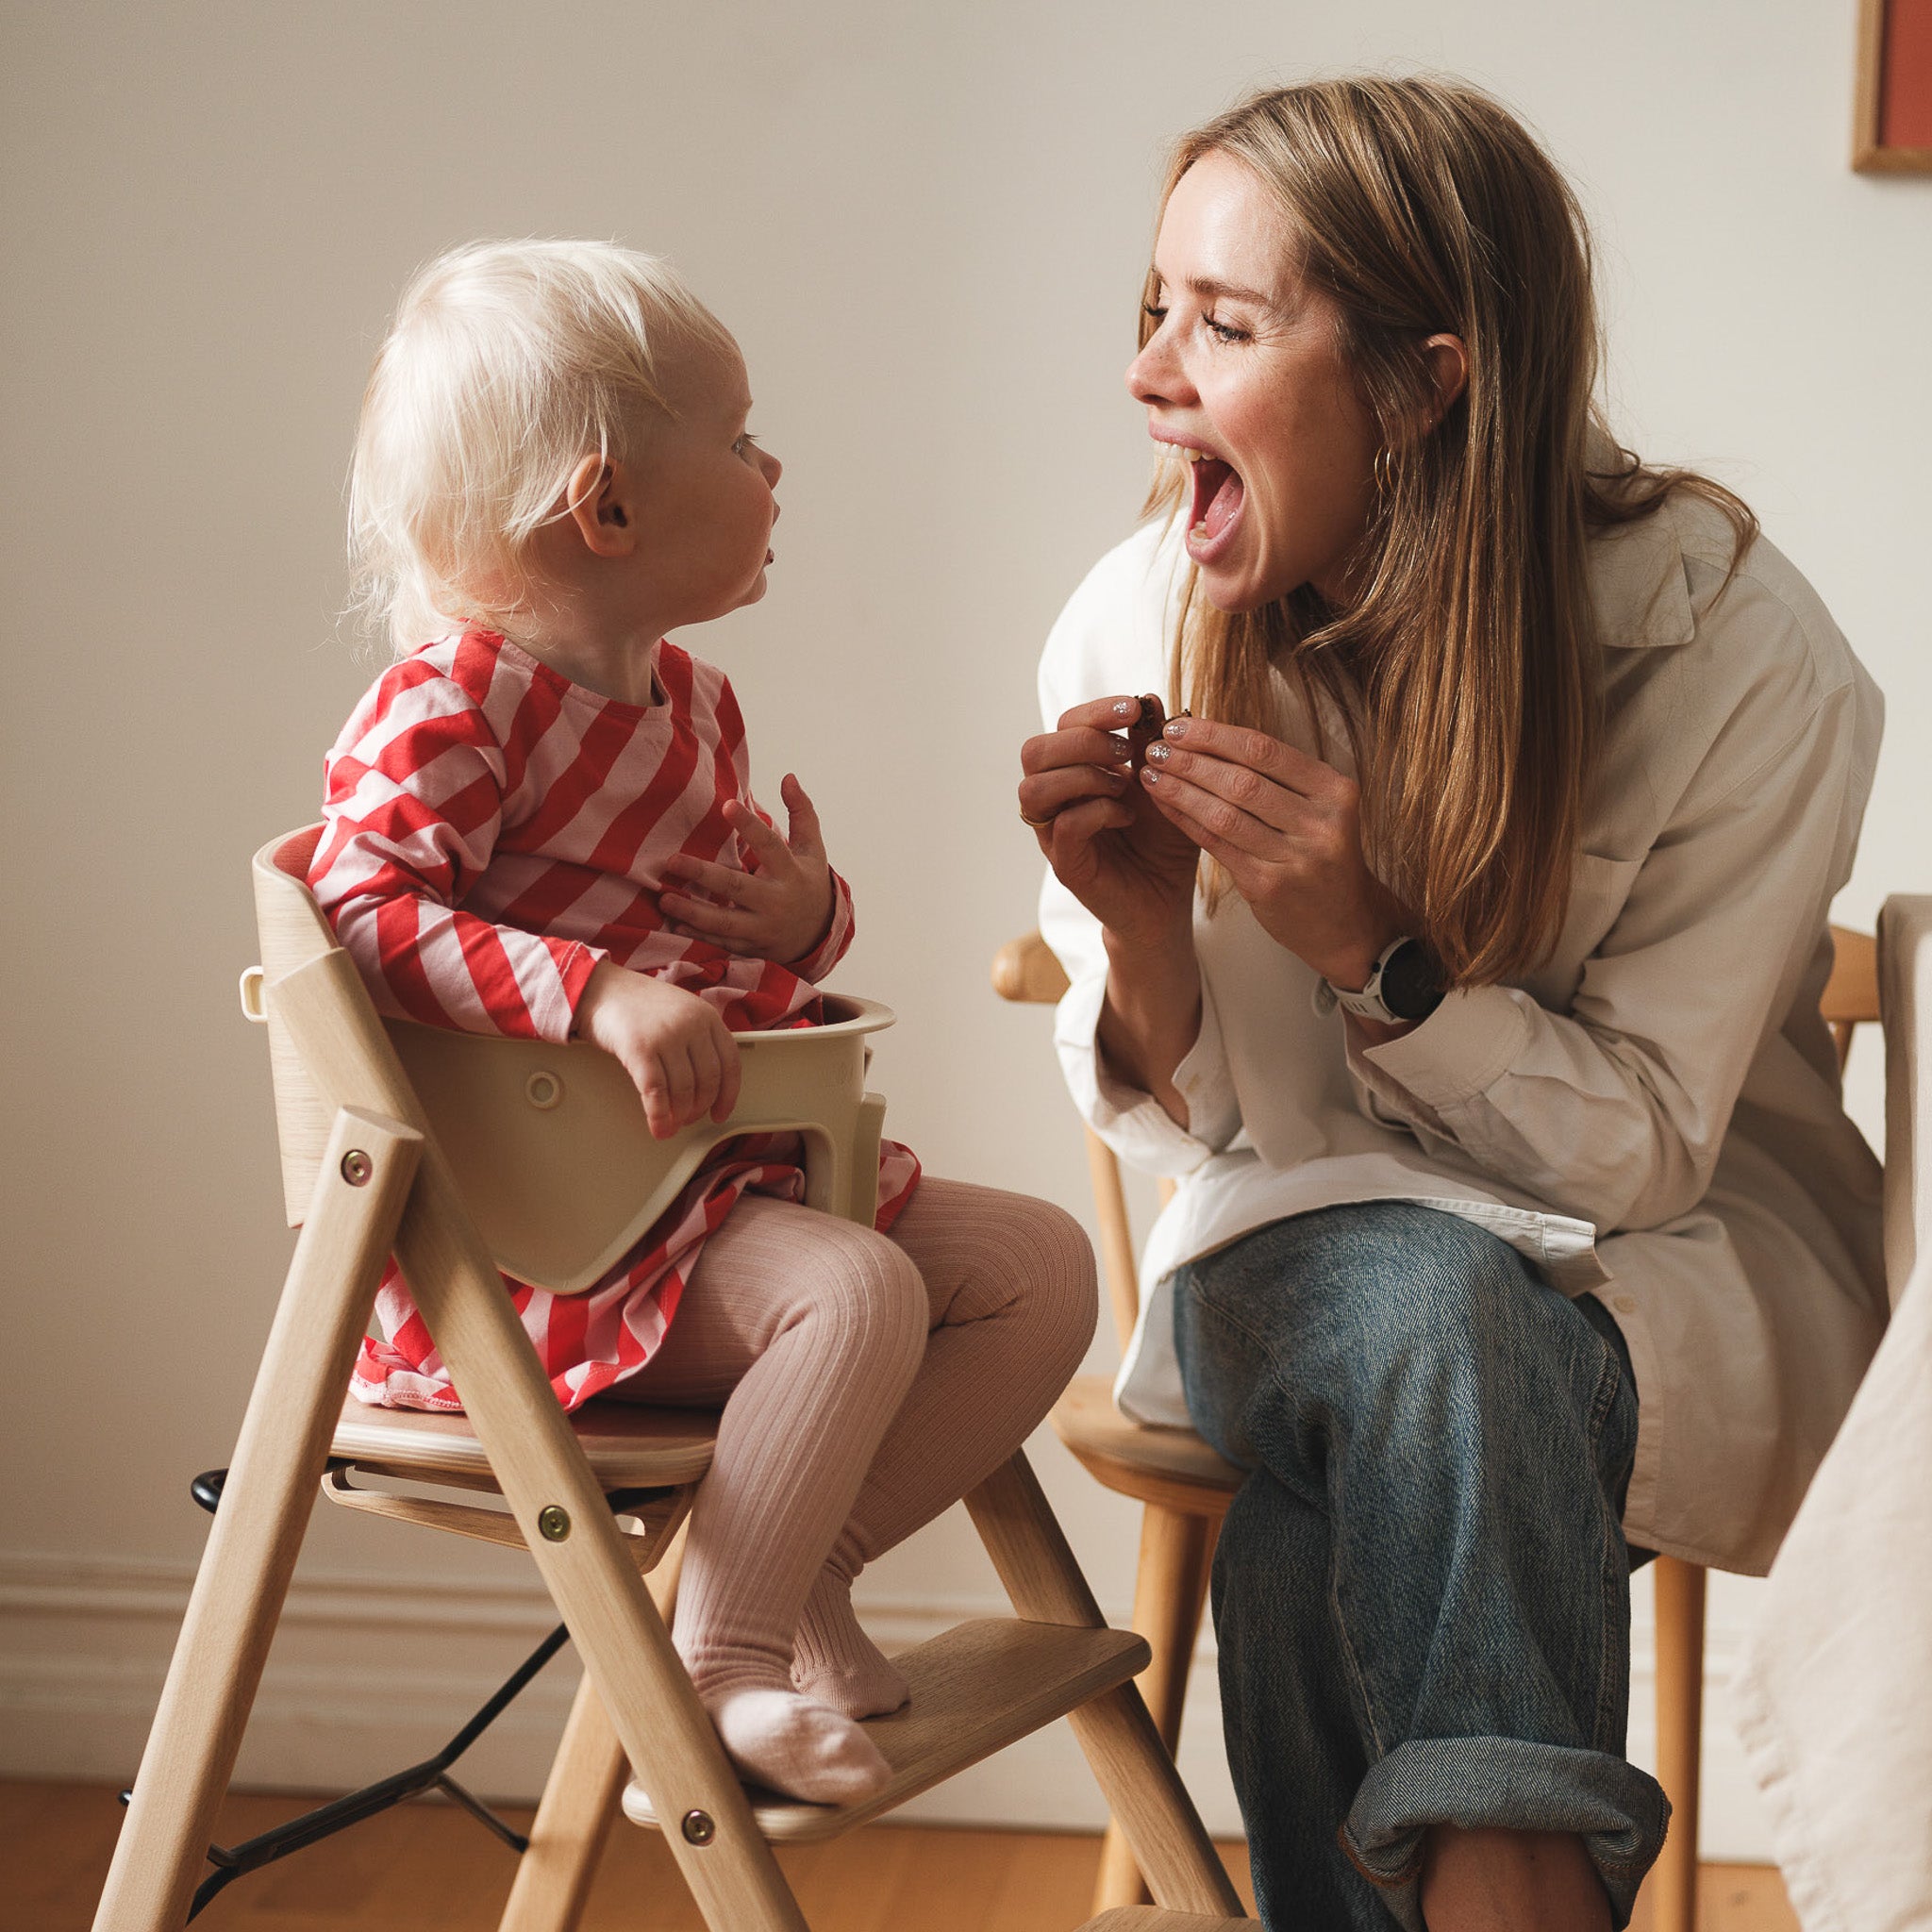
(553, 1519)
(700, 1828)
(357, 1168)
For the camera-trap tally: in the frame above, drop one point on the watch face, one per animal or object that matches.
(1411, 985)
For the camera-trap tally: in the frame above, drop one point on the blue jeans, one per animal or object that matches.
(1421, 1591)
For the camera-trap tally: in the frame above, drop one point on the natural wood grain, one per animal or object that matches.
(1672, 1882)
(1025, 970)
(975, 1689)
(629, 1446)
(1851, 995)
(257, 1532)
(541, 1466)
(1169, 1586)
(581, 1797)
(1143, 1792)
(1172, 1466)
(1150, 1919)
(55, 1839)
(1117, 1264)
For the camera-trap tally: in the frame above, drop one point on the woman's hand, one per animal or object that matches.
(1107, 844)
(782, 910)
(1135, 872)
(675, 1048)
(1288, 829)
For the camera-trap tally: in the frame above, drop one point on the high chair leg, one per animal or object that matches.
(580, 1798)
(1131, 1765)
(549, 1488)
(1170, 1583)
(271, 1488)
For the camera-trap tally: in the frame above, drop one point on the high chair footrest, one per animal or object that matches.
(975, 1689)
(1153, 1919)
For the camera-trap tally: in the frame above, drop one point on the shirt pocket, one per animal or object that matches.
(1599, 886)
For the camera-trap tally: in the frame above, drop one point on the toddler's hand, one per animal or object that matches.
(782, 910)
(675, 1048)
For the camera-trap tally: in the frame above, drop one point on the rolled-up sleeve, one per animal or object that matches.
(1128, 1118)
(1616, 1110)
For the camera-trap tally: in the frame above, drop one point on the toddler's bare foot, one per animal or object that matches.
(788, 1742)
(835, 1663)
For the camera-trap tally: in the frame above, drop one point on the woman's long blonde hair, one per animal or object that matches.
(1467, 667)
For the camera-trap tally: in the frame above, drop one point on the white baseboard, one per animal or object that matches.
(370, 1673)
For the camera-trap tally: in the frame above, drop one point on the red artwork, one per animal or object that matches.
(1894, 110)
(1904, 96)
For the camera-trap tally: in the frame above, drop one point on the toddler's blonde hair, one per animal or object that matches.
(507, 364)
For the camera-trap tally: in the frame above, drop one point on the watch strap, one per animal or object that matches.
(1369, 1003)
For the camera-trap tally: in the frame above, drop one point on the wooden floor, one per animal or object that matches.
(430, 1865)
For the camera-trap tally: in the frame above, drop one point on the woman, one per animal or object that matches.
(1460, 955)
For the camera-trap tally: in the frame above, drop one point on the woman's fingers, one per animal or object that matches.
(1051, 792)
(1067, 838)
(1104, 714)
(1079, 745)
(1253, 751)
(1242, 811)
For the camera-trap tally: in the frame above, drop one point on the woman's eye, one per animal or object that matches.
(1154, 312)
(1223, 332)
(746, 442)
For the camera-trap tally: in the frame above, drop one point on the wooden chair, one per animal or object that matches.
(458, 1154)
(1184, 1488)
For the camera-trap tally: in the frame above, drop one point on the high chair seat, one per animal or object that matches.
(628, 1447)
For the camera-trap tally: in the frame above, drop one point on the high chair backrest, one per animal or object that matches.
(547, 1144)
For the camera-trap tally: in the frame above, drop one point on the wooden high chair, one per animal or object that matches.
(1184, 1487)
(462, 1155)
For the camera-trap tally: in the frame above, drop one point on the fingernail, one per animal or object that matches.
(1150, 775)
(1127, 708)
(1121, 749)
(1176, 727)
(1159, 753)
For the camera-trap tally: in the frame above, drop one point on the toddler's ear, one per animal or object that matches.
(600, 505)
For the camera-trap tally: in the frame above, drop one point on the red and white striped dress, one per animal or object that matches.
(493, 832)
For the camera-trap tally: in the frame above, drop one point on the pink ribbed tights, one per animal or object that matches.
(867, 1381)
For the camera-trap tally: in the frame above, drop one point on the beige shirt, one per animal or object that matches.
(1653, 1115)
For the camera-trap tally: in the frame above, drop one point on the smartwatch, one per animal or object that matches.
(1405, 986)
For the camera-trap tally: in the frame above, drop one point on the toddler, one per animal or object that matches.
(540, 822)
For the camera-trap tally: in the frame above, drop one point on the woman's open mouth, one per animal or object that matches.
(1216, 508)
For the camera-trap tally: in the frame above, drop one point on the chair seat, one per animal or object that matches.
(975, 1689)
(629, 1446)
(1171, 1466)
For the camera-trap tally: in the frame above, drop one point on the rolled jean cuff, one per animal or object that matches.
(1619, 1811)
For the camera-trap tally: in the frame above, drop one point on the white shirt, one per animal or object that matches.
(1653, 1114)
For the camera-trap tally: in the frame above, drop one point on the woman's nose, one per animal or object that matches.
(1155, 375)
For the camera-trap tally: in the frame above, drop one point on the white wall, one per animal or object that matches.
(926, 226)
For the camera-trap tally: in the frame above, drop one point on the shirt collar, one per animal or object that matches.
(1638, 591)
